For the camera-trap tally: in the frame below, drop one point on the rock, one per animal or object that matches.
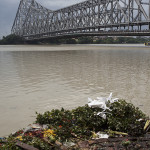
(83, 144)
(58, 143)
(63, 147)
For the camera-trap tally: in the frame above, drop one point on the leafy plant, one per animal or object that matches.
(81, 123)
(125, 117)
(10, 144)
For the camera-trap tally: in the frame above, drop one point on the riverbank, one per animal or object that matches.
(121, 143)
(70, 47)
(103, 123)
(14, 39)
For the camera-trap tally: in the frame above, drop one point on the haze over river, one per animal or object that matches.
(41, 78)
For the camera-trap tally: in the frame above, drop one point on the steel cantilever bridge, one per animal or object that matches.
(88, 18)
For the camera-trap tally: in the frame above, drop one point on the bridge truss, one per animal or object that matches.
(91, 17)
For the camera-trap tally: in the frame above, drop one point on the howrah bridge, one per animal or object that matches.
(88, 18)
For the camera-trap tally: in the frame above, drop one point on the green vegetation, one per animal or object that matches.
(96, 40)
(13, 39)
(81, 123)
(122, 117)
(85, 40)
(121, 40)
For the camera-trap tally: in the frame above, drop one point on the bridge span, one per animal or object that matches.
(88, 18)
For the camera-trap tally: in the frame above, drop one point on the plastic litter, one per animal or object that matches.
(101, 102)
(96, 103)
(140, 120)
(117, 133)
(45, 126)
(100, 135)
(32, 127)
(102, 114)
(147, 125)
(69, 144)
(104, 136)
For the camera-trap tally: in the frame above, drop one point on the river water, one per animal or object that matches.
(41, 78)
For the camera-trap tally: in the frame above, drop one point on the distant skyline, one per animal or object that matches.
(8, 9)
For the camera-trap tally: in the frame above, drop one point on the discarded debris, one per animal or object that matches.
(100, 135)
(25, 146)
(32, 127)
(103, 103)
(116, 133)
(147, 125)
(100, 119)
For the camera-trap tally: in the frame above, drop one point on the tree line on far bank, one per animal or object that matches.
(15, 40)
(11, 39)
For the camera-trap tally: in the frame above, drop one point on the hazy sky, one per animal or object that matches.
(8, 9)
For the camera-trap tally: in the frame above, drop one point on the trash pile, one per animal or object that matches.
(100, 118)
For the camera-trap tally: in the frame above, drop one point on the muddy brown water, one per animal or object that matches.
(41, 78)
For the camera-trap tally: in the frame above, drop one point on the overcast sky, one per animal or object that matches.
(8, 9)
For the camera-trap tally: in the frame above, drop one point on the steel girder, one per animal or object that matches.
(35, 21)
